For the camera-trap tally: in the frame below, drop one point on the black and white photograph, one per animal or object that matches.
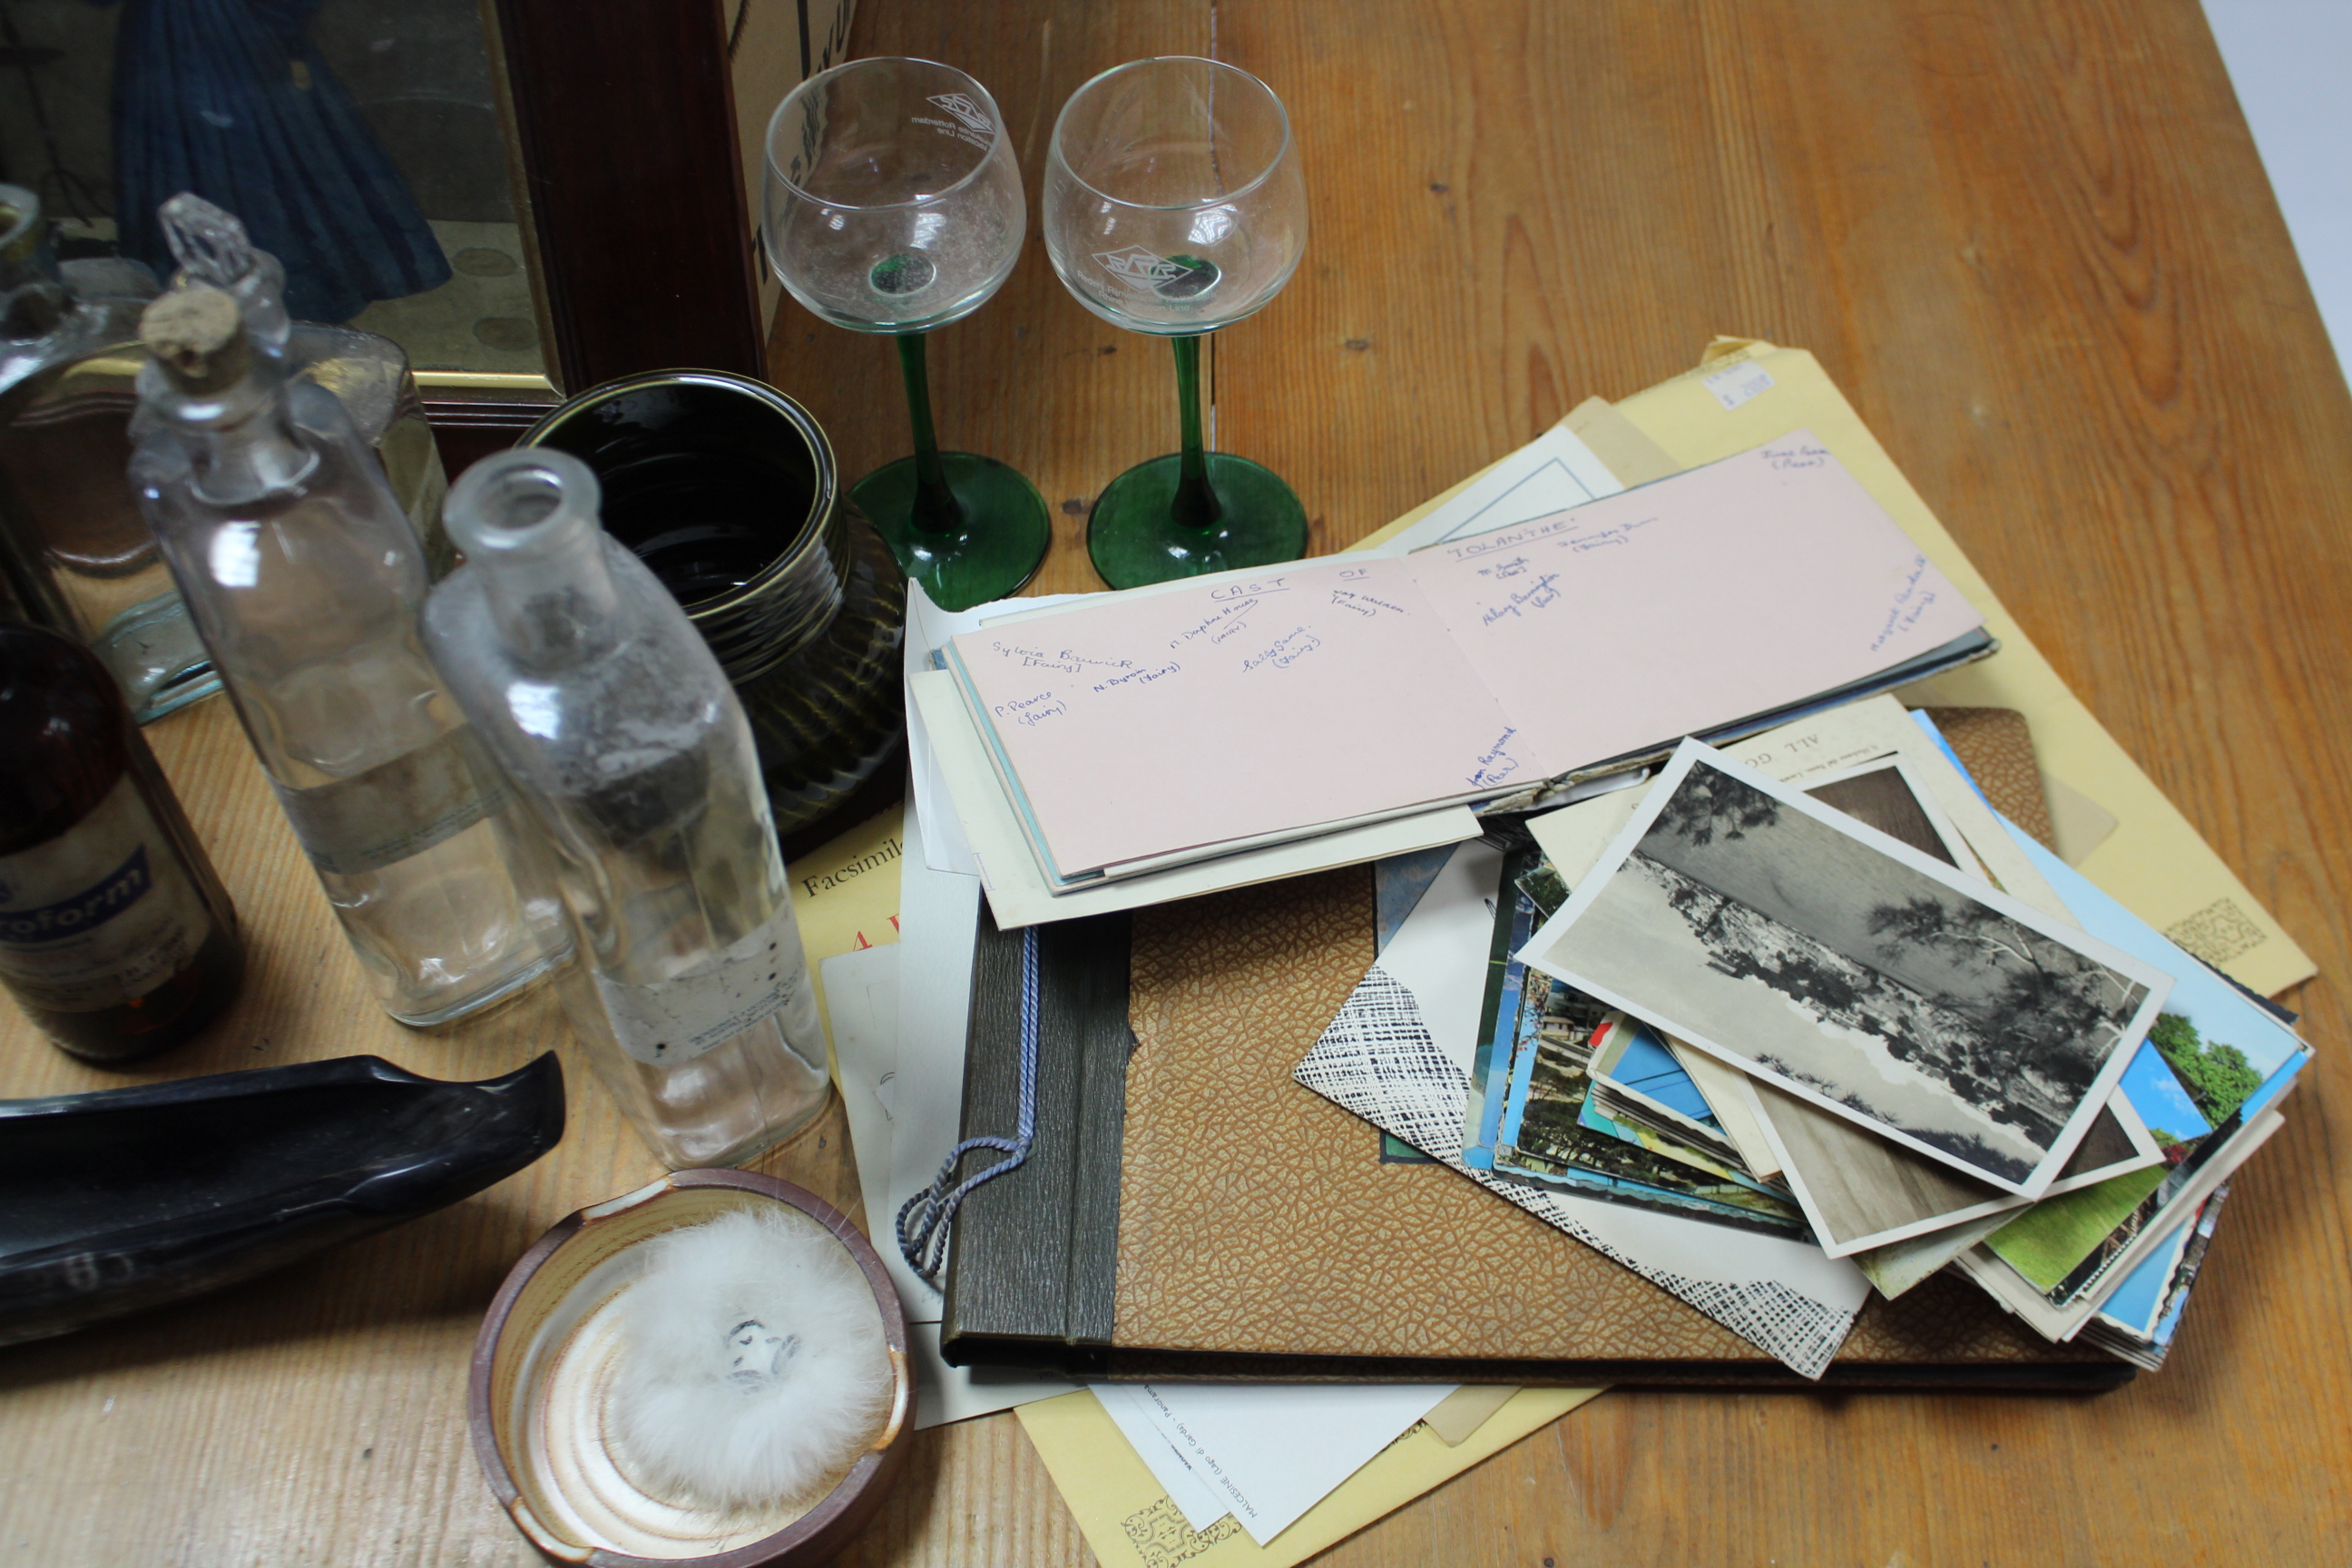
(1855, 972)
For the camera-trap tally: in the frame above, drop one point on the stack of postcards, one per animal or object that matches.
(1819, 996)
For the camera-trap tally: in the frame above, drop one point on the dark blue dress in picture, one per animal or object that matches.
(229, 99)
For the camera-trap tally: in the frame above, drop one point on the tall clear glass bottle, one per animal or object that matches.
(613, 720)
(305, 583)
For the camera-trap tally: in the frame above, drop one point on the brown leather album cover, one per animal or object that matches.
(1247, 1227)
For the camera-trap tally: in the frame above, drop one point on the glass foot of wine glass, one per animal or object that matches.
(1134, 538)
(992, 555)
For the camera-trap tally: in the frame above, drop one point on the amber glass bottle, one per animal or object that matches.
(115, 938)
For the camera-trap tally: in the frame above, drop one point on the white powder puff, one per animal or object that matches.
(753, 1367)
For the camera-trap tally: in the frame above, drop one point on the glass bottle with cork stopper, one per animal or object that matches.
(305, 582)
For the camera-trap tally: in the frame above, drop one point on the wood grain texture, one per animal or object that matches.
(316, 1415)
(2032, 240)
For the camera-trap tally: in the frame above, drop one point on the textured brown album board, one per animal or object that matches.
(1999, 751)
(1255, 1218)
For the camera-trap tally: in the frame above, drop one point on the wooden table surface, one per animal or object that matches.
(2033, 241)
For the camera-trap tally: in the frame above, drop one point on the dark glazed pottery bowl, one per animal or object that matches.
(544, 1357)
(728, 490)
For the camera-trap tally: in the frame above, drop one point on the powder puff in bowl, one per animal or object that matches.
(711, 1371)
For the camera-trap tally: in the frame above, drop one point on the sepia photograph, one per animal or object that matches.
(1855, 972)
(1862, 1191)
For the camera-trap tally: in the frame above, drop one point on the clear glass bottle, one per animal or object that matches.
(613, 720)
(368, 374)
(68, 431)
(115, 938)
(305, 583)
(65, 399)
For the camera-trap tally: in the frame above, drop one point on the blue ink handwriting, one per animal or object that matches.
(1495, 764)
(1605, 538)
(1542, 594)
(1226, 592)
(1030, 657)
(1222, 623)
(1362, 604)
(1139, 677)
(1287, 649)
(1911, 601)
(1032, 710)
(1796, 455)
(1552, 528)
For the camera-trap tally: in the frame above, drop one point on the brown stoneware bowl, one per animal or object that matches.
(545, 1354)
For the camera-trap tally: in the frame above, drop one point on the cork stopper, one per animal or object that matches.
(197, 334)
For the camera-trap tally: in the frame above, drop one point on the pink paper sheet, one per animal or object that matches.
(1666, 611)
(1145, 725)
(1139, 726)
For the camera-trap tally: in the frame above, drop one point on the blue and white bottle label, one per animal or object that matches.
(101, 914)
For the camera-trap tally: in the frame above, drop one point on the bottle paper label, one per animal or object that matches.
(99, 915)
(675, 1021)
(382, 816)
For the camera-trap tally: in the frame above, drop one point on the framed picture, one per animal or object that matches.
(531, 196)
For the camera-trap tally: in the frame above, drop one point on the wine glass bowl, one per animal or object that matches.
(892, 201)
(892, 204)
(1173, 202)
(1174, 205)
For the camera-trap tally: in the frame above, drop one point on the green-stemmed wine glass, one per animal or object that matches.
(893, 205)
(1173, 206)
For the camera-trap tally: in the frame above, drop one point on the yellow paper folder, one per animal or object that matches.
(1745, 393)
(1129, 1522)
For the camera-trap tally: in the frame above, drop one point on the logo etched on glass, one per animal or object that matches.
(907, 272)
(1163, 276)
(961, 106)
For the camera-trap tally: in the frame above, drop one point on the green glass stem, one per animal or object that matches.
(1196, 502)
(935, 510)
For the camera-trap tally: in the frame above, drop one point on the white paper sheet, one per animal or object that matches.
(862, 988)
(945, 1394)
(1169, 1465)
(1551, 473)
(938, 921)
(1265, 1452)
